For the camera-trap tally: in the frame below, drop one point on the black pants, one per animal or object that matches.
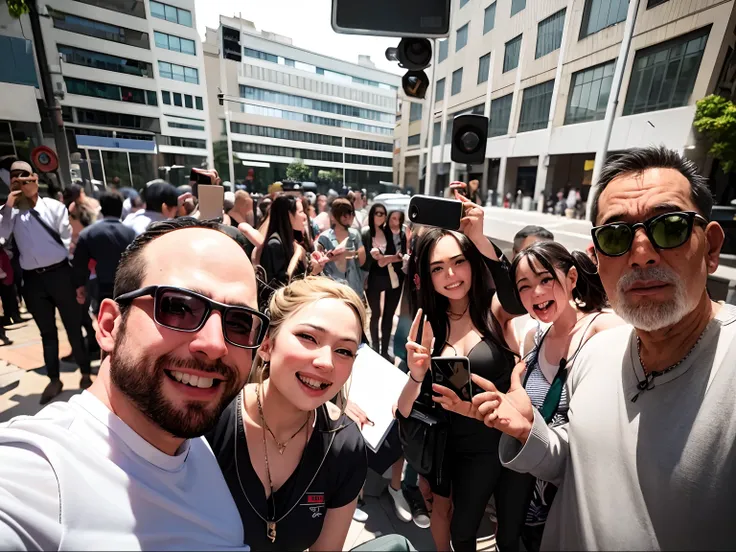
(390, 304)
(44, 293)
(9, 297)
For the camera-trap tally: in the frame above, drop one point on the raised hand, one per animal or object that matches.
(510, 412)
(419, 355)
(472, 222)
(12, 198)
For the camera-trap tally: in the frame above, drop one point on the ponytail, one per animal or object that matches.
(588, 293)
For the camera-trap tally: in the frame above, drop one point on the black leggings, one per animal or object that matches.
(474, 477)
(390, 304)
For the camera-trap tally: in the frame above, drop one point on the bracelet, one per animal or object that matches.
(414, 379)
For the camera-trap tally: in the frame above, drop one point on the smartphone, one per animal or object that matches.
(436, 211)
(453, 373)
(211, 199)
(199, 177)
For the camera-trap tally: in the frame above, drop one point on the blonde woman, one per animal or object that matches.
(294, 472)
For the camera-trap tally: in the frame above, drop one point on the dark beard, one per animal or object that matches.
(142, 383)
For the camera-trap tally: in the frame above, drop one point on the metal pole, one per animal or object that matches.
(618, 74)
(230, 164)
(54, 110)
(430, 132)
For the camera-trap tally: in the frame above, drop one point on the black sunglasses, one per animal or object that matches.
(665, 231)
(19, 174)
(187, 311)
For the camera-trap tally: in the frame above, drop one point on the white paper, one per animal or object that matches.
(375, 387)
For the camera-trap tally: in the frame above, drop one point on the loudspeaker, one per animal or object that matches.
(469, 135)
(402, 18)
(44, 159)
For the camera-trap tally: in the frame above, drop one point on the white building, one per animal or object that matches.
(295, 104)
(542, 72)
(130, 78)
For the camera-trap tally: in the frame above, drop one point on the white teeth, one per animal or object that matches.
(453, 286)
(195, 381)
(314, 384)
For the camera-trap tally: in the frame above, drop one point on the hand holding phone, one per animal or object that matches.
(453, 373)
(436, 211)
(211, 199)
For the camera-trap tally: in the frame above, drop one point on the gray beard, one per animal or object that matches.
(651, 315)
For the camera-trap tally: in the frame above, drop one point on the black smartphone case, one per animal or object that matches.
(435, 211)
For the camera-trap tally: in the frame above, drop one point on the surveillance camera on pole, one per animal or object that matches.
(414, 54)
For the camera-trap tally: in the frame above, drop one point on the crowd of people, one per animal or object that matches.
(601, 407)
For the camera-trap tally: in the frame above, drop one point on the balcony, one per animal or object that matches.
(17, 65)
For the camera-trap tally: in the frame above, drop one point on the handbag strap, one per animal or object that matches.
(53, 233)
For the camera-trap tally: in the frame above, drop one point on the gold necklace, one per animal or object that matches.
(281, 446)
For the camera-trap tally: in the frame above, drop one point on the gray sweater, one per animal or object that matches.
(657, 473)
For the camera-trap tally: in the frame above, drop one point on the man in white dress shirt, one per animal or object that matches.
(42, 232)
(123, 466)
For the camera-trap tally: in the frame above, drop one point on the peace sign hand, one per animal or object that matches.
(419, 355)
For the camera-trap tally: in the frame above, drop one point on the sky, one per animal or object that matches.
(306, 22)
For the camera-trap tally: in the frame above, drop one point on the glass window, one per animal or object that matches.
(437, 133)
(313, 119)
(457, 81)
(599, 14)
(178, 72)
(484, 63)
(164, 69)
(142, 168)
(79, 56)
(157, 9)
(177, 99)
(589, 91)
(489, 18)
(463, 2)
(185, 17)
(198, 102)
(151, 97)
(188, 101)
(653, 3)
(414, 140)
(442, 55)
(187, 47)
(549, 34)
(98, 29)
(174, 43)
(498, 123)
(161, 40)
(664, 75)
(535, 106)
(517, 6)
(462, 38)
(166, 97)
(116, 165)
(439, 91)
(170, 13)
(289, 62)
(511, 54)
(415, 111)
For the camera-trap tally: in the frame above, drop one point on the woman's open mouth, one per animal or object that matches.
(543, 308)
(312, 383)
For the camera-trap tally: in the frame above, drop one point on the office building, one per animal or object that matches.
(285, 103)
(129, 75)
(542, 72)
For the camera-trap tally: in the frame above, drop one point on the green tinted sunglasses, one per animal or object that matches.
(665, 231)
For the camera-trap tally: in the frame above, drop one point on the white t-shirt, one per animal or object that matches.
(76, 477)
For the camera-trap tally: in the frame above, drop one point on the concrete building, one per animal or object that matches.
(291, 103)
(129, 75)
(542, 72)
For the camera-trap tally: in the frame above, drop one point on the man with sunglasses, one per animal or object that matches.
(42, 232)
(123, 465)
(647, 459)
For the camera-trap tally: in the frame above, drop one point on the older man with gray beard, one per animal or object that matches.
(648, 458)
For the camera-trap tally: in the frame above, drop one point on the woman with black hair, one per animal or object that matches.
(384, 275)
(455, 277)
(282, 257)
(563, 292)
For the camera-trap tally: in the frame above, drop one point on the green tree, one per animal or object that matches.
(16, 8)
(298, 171)
(331, 177)
(715, 119)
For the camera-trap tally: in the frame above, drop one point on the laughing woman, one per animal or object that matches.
(293, 471)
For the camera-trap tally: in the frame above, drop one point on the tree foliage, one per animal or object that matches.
(715, 119)
(16, 8)
(332, 177)
(298, 171)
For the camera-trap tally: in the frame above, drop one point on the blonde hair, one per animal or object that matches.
(288, 300)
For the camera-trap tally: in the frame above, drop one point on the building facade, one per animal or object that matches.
(285, 104)
(129, 75)
(542, 72)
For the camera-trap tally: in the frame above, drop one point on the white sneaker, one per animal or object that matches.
(360, 516)
(401, 506)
